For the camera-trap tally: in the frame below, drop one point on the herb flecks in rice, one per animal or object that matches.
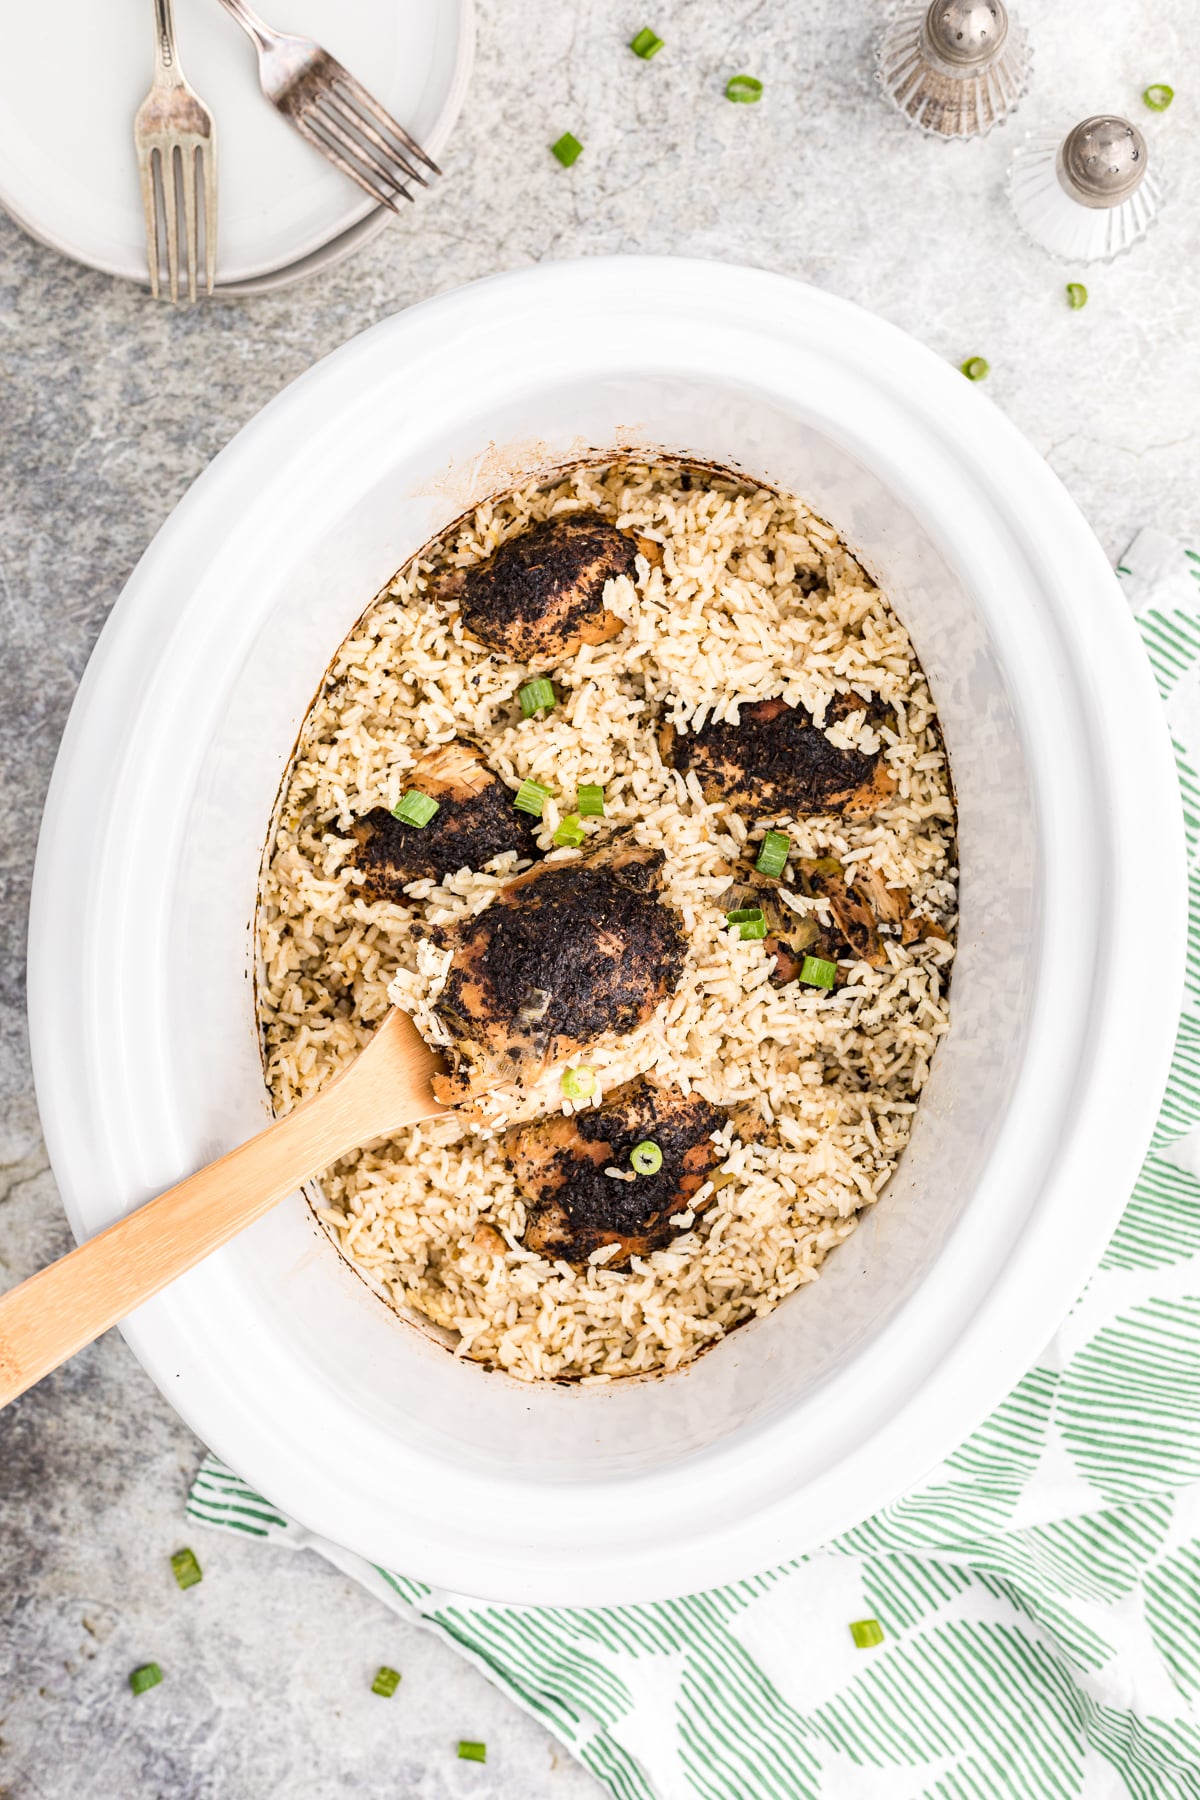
(752, 598)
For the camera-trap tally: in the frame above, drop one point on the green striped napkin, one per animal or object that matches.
(1039, 1595)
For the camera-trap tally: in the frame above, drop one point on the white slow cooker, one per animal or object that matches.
(1065, 993)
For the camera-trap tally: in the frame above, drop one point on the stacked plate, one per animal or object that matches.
(73, 75)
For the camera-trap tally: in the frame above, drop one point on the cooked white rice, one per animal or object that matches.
(432, 1217)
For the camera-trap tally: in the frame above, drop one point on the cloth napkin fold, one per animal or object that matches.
(1039, 1594)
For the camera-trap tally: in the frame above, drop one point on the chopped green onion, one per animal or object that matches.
(531, 798)
(416, 808)
(646, 1157)
(472, 1752)
(866, 1633)
(148, 1676)
(590, 800)
(537, 696)
(568, 149)
(186, 1569)
(646, 44)
(774, 853)
(750, 923)
(386, 1682)
(578, 1084)
(1158, 96)
(743, 90)
(1076, 295)
(817, 972)
(570, 832)
(975, 368)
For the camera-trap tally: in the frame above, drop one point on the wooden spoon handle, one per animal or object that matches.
(60, 1309)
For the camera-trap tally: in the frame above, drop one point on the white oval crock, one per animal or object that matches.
(1043, 1097)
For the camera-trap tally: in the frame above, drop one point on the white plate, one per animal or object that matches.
(73, 75)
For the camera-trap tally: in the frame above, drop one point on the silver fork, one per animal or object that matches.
(172, 118)
(334, 111)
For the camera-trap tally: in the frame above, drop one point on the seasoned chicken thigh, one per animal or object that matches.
(541, 595)
(565, 954)
(475, 821)
(776, 763)
(574, 1208)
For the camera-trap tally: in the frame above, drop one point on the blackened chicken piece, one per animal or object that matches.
(573, 1207)
(475, 821)
(564, 954)
(541, 595)
(776, 763)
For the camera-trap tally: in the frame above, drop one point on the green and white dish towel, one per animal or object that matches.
(1039, 1594)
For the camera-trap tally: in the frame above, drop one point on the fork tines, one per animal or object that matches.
(343, 121)
(168, 170)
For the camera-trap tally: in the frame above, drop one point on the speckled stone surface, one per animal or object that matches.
(110, 406)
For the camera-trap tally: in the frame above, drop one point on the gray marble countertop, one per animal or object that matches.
(112, 405)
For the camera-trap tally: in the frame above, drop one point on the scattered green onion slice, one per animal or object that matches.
(750, 923)
(743, 90)
(148, 1676)
(975, 368)
(570, 833)
(866, 1633)
(416, 808)
(646, 1157)
(1158, 96)
(578, 1084)
(537, 696)
(774, 853)
(590, 800)
(186, 1569)
(817, 972)
(531, 798)
(646, 44)
(1076, 295)
(568, 149)
(386, 1682)
(472, 1752)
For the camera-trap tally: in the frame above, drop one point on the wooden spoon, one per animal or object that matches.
(56, 1312)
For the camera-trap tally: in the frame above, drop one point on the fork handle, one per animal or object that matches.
(249, 20)
(166, 57)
